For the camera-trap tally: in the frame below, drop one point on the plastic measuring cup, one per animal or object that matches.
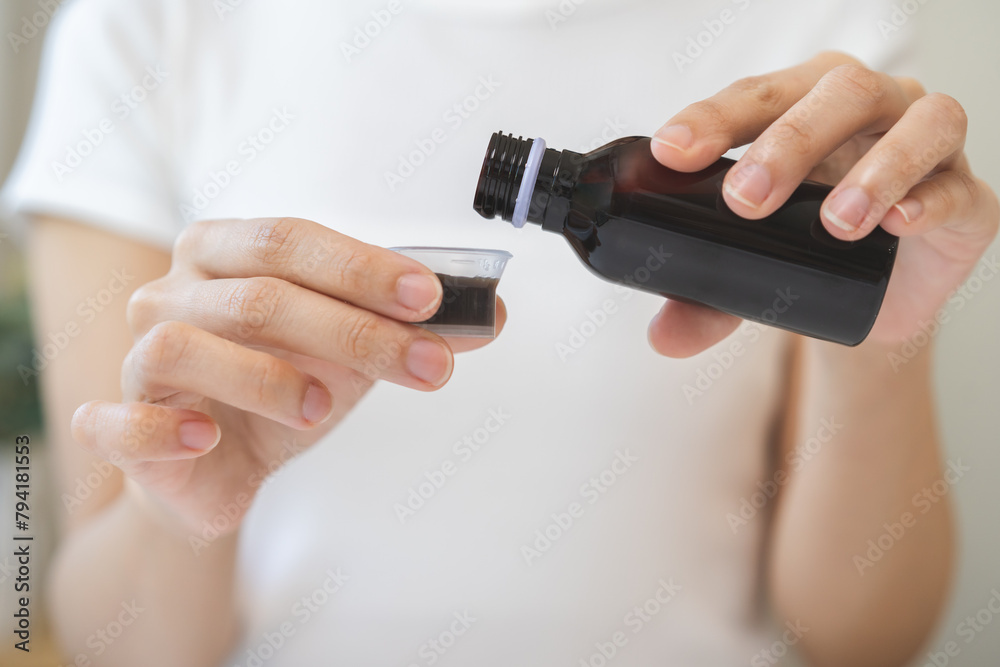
(469, 277)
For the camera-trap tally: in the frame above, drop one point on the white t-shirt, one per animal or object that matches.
(590, 507)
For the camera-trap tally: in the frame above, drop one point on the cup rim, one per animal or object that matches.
(439, 250)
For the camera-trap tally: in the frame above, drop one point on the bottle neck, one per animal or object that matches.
(549, 195)
(524, 181)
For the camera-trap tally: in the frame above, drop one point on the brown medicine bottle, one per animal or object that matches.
(618, 207)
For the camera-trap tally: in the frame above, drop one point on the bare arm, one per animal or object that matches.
(861, 450)
(113, 551)
(895, 155)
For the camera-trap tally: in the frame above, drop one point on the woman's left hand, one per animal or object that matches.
(895, 153)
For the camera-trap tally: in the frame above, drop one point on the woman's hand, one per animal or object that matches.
(894, 152)
(262, 336)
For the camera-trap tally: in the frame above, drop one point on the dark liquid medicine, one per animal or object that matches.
(635, 222)
(466, 302)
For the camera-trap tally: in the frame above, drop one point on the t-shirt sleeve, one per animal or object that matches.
(96, 149)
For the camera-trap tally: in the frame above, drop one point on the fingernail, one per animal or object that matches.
(750, 186)
(199, 435)
(429, 361)
(317, 406)
(911, 209)
(418, 291)
(848, 209)
(678, 137)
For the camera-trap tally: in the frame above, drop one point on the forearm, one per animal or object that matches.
(871, 483)
(128, 566)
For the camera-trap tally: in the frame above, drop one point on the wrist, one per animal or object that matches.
(874, 359)
(876, 401)
(163, 523)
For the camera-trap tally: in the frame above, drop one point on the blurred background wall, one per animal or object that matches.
(962, 58)
(17, 79)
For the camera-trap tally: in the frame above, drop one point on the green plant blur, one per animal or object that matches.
(20, 405)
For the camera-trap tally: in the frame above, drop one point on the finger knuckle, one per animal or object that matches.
(761, 91)
(253, 303)
(787, 136)
(160, 351)
(358, 335)
(950, 110)
(352, 268)
(895, 158)
(265, 379)
(273, 242)
(944, 196)
(143, 307)
(191, 238)
(139, 425)
(912, 86)
(84, 422)
(969, 187)
(869, 87)
(711, 112)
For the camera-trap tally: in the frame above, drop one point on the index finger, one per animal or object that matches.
(315, 257)
(702, 132)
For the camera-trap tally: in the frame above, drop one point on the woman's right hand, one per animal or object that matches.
(262, 336)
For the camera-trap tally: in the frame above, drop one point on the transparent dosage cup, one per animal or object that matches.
(469, 277)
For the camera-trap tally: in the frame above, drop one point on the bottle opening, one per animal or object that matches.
(501, 176)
